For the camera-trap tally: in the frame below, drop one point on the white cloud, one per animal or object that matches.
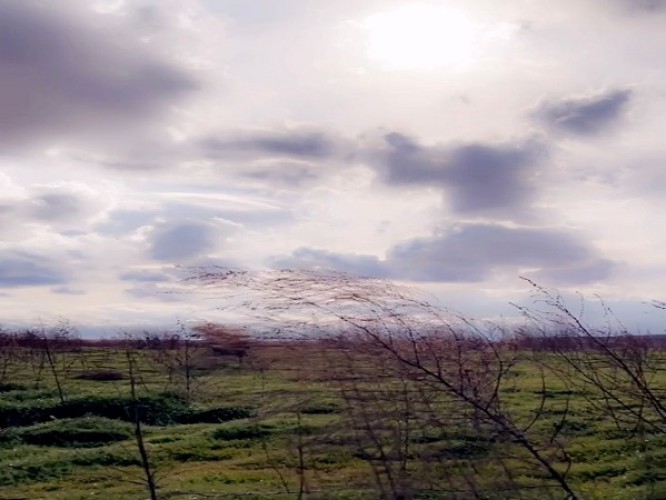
(137, 135)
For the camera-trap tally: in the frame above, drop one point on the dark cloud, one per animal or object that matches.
(311, 145)
(471, 253)
(585, 115)
(289, 159)
(178, 241)
(20, 269)
(66, 73)
(477, 177)
(296, 143)
(484, 178)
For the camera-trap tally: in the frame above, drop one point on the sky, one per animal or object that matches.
(455, 146)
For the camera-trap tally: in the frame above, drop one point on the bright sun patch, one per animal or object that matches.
(420, 36)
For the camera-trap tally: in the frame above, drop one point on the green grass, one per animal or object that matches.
(239, 430)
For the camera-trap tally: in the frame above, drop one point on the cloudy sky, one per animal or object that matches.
(454, 145)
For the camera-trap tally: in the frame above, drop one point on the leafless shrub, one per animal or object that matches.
(55, 350)
(408, 372)
(149, 478)
(614, 369)
(178, 353)
(8, 353)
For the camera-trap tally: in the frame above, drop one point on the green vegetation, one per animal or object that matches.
(278, 423)
(89, 432)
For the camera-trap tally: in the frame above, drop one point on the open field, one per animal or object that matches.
(310, 420)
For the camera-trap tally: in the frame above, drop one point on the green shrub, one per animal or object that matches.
(216, 415)
(646, 476)
(77, 433)
(165, 439)
(101, 375)
(600, 470)
(460, 450)
(572, 426)
(33, 472)
(197, 452)
(321, 408)
(242, 432)
(102, 457)
(157, 409)
(23, 414)
(9, 386)
(9, 438)
(27, 394)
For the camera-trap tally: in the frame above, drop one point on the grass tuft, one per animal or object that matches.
(77, 433)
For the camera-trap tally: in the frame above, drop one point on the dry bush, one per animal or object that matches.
(8, 353)
(415, 381)
(54, 350)
(618, 372)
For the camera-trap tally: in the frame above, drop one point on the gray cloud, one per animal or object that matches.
(473, 252)
(585, 115)
(311, 258)
(470, 253)
(581, 273)
(287, 158)
(65, 290)
(52, 206)
(21, 269)
(650, 5)
(177, 241)
(66, 72)
(477, 177)
(288, 174)
(294, 143)
(643, 5)
(63, 206)
(68, 204)
(309, 145)
(145, 276)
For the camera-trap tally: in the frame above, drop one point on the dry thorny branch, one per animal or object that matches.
(613, 368)
(410, 374)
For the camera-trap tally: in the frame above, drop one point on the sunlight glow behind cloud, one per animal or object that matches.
(420, 36)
